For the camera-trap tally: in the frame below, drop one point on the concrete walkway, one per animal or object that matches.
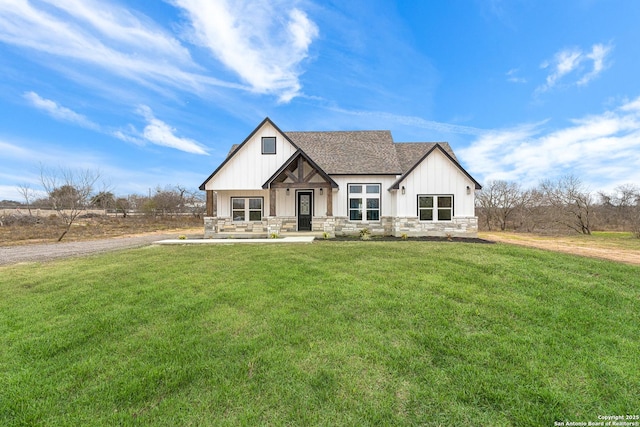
(229, 241)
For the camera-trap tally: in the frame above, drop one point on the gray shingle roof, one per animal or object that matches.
(362, 152)
(410, 152)
(350, 152)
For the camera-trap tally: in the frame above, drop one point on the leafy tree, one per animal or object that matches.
(104, 200)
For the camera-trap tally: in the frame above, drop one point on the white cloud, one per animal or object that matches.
(158, 132)
(263, 41)
(601, 149)
(598, 56)
(106, 36)
(59, 112)
(571, 62)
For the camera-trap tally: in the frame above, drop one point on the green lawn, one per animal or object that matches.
(329, 333)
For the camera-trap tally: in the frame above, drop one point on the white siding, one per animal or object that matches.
(224, 201)
(249, 168)
(436, 175)
(340, 202)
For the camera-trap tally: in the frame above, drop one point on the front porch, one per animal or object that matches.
(226, 227)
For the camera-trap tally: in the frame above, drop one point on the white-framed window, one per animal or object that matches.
(246, 208)
(364, 202)
(268, 145)
(435, 207)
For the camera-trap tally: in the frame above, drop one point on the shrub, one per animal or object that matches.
(365, 234)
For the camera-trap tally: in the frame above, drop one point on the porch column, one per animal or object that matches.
(212, 205)
(329, 201)
(272, 201)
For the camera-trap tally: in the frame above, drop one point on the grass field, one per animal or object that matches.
(598, 239)
(329, 333)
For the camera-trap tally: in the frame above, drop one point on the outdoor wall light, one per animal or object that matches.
(321, 192)
(468, 190)
(287, 191)
(403, 190)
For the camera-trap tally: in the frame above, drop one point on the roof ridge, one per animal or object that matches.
(337, 131)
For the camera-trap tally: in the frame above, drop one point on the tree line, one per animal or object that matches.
(556, 206)
(70, 193)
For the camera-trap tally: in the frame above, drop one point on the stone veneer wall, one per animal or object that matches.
(387, 226)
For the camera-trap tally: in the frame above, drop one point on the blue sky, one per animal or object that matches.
(154, 93)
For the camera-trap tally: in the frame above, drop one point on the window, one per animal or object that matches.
(364, 202)
(435, 208)
(246, 209)
(268, 145)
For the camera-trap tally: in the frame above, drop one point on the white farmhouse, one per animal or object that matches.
(339, 183)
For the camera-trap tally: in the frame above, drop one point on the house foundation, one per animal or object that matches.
(341, 226)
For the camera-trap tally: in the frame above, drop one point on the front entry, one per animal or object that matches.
(305, 210)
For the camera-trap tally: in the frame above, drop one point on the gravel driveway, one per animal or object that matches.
(51, 251)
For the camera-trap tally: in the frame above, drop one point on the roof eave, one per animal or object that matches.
(396, 184)
(230, 156)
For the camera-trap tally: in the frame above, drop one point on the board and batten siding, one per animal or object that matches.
(436, 175)
(340, 195)
(249, 168)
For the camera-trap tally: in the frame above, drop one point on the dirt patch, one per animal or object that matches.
(566, 245)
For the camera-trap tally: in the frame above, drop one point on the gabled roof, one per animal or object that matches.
(410, 153)
(235, 148)
(354, 153)
(290, 162)
(351, 152)
(411, 150)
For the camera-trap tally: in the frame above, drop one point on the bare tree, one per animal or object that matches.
(500, 200)
(28, 194)
(69, 192)
(123, 205)
(619, 207)
(572, 204)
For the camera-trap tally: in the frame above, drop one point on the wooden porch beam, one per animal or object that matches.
(272, 202)
(291, 175)
(300, 169)
(310, 175)
(211, 203)
(300, 185)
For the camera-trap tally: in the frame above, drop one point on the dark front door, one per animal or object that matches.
(305, 210)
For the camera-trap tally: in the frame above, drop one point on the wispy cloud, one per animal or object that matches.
(572, 62)
(158, 132)
(105, 36)
(262, 41)
(413, 121)
(59, 112)
(600, 148)
(512, 76)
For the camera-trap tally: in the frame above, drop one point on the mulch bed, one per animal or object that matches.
(411, 239)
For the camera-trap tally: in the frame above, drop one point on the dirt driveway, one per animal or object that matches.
(50, 251)
(560, 244)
